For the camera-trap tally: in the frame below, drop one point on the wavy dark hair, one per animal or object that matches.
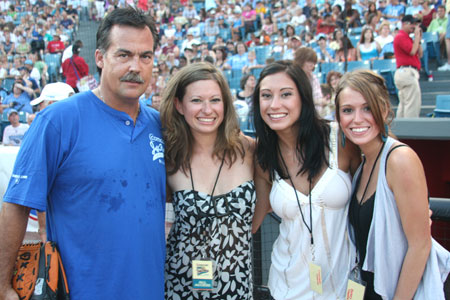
(313, 132)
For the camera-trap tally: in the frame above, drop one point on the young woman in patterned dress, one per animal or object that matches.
(210, 179)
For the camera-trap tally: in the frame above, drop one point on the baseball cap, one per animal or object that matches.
(12, 111)
(321, 36)
(296, 37)
(410, 19)
(28, 62)
(54, 92)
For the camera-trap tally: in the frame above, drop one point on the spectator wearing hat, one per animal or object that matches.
(13, 134)
(20, 97)
(293, 44)
(196, 27)
(324, 53)
(75, 68)
(407, 53)
(33, 71)
(51, 93)
(56, 45)
(211, 29)
(187, 43)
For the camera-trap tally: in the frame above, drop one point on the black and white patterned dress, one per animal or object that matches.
(221, 232)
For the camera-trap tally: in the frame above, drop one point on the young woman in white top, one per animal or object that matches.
(308, 175)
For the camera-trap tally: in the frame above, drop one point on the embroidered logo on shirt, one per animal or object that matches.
(157, 145)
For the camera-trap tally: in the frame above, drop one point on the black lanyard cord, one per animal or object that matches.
(310, 228)
(358, 207)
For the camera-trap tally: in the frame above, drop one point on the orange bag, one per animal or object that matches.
(39, 273)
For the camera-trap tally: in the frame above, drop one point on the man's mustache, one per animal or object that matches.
(132, 77)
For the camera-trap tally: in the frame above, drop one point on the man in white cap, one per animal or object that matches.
(51, 93)
(13, 134)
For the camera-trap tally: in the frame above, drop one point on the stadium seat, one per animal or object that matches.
(53, 62)
(262, 52)
(386, 68)
(330, 66)
(432, 41)
(353, 65)
(354, 39)
(355, 31)
(384, 65)
(442, 109)
(225, 33)
(256, 72)
(7, 84)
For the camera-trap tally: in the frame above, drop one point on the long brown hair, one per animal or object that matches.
(177, 134)
(373, 89)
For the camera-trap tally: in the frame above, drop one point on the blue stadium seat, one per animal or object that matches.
(353, 65)
(225, 33)
(431, 39)
(326, 67)
(7, 84)
(256, 72)
(384, 65)
(354, 39)
(386, 68)
(236, 73)
(262, 52)
(299, 29)
(53, 62)
(355, 31)
(277, 55)
(442, 109)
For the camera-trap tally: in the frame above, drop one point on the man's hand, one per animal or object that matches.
(418, 33)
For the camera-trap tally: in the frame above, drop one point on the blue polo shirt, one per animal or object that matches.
(101, 180)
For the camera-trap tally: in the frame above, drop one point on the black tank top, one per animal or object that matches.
(360, 217)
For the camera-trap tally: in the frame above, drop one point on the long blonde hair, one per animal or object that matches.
(177, 134)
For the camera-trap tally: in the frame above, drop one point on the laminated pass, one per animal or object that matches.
(39, 273)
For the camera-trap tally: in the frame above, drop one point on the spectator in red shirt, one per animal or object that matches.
(326, 25)
(407, 54)
(75, 68)
(55, 46)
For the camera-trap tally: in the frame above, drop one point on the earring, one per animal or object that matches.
(386, 133)
(343, 139)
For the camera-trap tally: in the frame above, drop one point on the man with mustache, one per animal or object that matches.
(95, 163)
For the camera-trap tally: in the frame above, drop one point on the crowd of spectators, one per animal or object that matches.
(225, 33)
(33, 35)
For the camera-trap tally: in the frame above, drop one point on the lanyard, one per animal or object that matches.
(199, 212)
(365, 189)
(310, 228)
